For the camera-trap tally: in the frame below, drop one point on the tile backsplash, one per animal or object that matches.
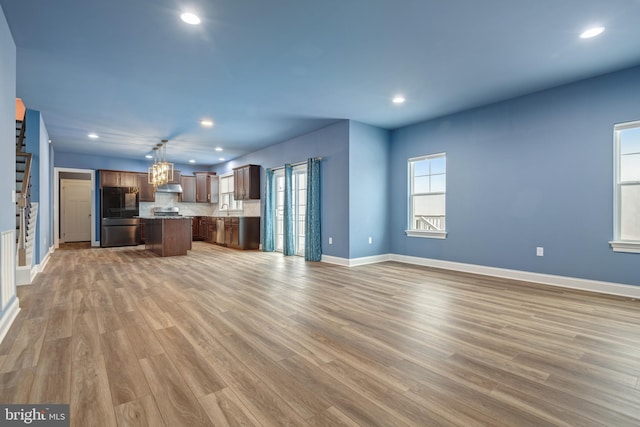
(165, 200)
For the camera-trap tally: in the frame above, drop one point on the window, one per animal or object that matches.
(227, 202)
(427, 191)
(298, 203)
(626, 235)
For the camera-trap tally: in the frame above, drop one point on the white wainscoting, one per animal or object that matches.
(7, 267)
(9, 305)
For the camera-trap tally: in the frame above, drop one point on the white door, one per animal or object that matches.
(75, 210)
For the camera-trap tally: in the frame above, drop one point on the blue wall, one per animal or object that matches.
(86, 161)
(7, 125)
(37, 143)
(45, 214)
(7, 146)
(532, 171)
(332, 143)
(368, 190)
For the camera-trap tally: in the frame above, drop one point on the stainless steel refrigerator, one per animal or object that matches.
(120, 208)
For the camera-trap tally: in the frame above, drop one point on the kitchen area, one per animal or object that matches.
(222, 210)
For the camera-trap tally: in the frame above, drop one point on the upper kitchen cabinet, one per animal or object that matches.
(176, 177)
(247, 182)
(188, 184)
(110, 178)
(147, 192)
(204, 190)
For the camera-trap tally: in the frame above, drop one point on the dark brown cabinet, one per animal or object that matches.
(211, 231)
(146, 190)
(188, 194)
(242, 232)
(231, 232)
(195, 228)
(168, 237)
(128, 179)
(206, 229)
(110, 178)
(141, 231)
(203, 187)
(236, 232)
(246, 182)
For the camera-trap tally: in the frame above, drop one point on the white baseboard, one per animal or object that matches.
(335, 260)
(10, 313)
(354, 262)
(526, 276)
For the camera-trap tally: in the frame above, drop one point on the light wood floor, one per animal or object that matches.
(224, 337)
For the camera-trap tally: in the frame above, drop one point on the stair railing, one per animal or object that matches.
(20, 138)
(24, 205)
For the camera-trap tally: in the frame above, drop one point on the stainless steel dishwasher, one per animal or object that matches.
(220, 231)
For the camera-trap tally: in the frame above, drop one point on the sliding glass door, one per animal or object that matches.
(299, 207)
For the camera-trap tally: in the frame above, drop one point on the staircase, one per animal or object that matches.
(25, 215)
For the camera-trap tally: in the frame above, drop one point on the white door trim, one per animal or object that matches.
(56, 203)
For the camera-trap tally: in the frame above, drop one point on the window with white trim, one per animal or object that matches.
(427, 196)
(226, 201)
(627, 188)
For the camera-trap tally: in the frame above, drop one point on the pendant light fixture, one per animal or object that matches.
(161, 172)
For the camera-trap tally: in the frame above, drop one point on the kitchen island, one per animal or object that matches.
(167, 236)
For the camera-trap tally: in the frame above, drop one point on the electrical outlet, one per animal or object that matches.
(370, 240)
(539, 251)
(331, 240)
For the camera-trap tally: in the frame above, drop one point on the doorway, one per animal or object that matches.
(73, 199)
(75, 210)
(298, 204)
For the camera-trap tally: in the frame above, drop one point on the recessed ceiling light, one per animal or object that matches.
(148, 156)
(398, 99)
(49, 141)
(221, 159)
(192, 161)
(591, 32)
(93, 136)
(218, 148)
(206, 123)
(190, 18)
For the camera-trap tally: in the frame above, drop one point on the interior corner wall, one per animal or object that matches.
(534, 171)
(37, 143)
(368, 190)
(45, 209)
(7, 163)
(332, 144)
(7, 120)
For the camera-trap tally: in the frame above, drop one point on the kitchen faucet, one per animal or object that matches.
(222, 207)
